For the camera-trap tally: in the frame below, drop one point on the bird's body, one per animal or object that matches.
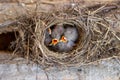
(65, 47)
(48, 38)
(71, 33)
(57, 31)
(67, 41)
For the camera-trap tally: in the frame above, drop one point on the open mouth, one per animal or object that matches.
(54, 42)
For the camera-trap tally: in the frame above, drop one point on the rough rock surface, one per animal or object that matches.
(19, 69)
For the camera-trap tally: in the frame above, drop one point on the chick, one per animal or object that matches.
(65, 47)
(56, 34)
(71, 34)
(58, 31)
(67, 41)
(48, 38)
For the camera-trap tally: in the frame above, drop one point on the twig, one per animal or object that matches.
(7, 23)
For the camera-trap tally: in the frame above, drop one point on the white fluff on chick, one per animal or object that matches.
(71, 33)
(57, 31)
(65, 47)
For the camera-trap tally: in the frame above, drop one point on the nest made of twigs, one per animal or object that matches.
(97, 39)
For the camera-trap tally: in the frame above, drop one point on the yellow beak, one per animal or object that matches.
(54, 42)
(63, 39)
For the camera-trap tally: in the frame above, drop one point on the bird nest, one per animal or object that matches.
(96, 40)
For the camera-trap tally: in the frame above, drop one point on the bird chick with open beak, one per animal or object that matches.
(67, 41)
(71, 33)
(56, 33)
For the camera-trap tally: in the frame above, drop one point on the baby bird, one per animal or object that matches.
(58, 31)
(71, 34)
(67, 41)
(65, 47)
(48, 37)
